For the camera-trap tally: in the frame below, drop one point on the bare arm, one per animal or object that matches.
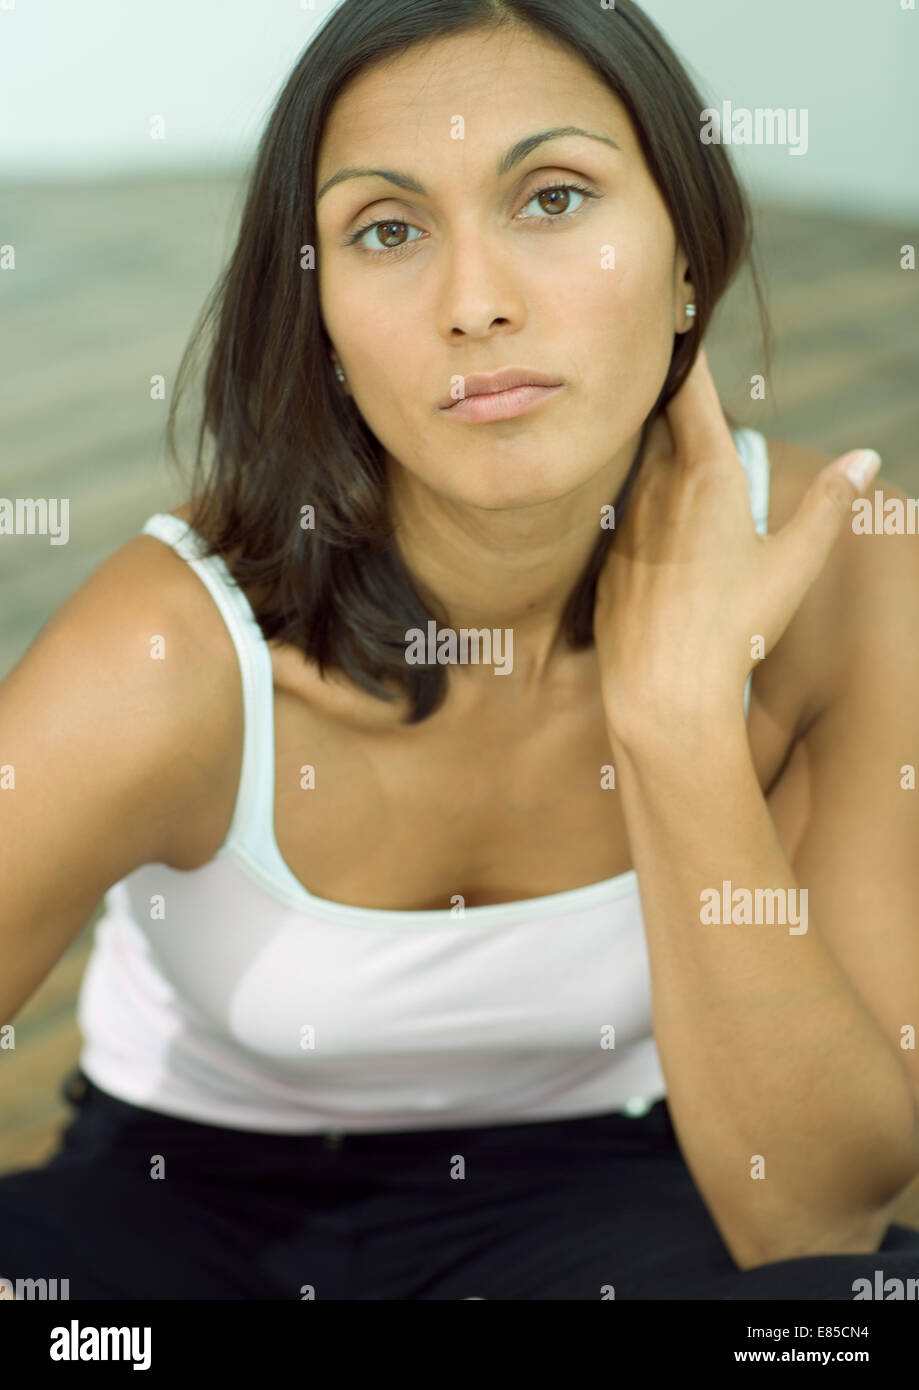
(789, 1045)
(105, 748)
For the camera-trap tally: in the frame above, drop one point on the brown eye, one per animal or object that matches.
(554, 199)
(388, 236)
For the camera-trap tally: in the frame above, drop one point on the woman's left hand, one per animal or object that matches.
(689, 584)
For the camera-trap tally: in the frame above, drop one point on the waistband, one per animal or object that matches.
(653, 1129)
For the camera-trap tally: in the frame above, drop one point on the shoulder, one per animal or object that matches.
(792, 469)
(122, 725)
(145, 590)
(153, 579)
(154, 626)
(865, 600)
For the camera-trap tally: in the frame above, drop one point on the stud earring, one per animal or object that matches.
(690, 311)
(339, 373)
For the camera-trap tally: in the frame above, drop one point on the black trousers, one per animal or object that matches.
(138, 1205)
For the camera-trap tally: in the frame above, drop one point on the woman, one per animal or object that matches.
(369, 1013)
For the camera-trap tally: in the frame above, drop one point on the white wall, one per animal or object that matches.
(80, 79)
(854, 64)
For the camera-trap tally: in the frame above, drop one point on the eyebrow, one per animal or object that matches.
(513, 156)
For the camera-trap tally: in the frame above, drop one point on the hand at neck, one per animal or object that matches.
(511, 567)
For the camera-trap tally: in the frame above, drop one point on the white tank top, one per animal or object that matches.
(232, 996)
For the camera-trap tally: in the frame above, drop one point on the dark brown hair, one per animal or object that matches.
(285, 435)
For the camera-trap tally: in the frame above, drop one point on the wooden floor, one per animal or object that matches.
(108, 280)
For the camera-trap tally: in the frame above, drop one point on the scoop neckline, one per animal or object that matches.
(282, 883)
(285, 885)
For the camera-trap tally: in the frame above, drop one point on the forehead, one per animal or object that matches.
(503, 83)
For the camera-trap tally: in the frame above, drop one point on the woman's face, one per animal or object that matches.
(482, 272)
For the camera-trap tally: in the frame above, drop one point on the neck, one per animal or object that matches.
(512, 569)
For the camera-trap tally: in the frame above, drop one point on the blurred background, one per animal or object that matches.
(119, 236)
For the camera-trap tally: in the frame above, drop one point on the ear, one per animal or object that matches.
(684, 292)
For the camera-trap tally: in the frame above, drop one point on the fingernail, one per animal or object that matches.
(862, 467)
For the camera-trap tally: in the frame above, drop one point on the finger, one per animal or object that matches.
(700, 431)
(811, 533)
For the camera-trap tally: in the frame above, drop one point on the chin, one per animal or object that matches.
(495, 492)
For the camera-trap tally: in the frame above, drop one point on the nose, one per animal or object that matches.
(480, 292)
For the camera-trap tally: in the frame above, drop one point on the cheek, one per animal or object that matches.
(626, 324)
(379, 345)
(623, 341)
(630, 266)
(634, 289)
(377, 336)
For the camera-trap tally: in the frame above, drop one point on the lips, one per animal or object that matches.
(482, 384)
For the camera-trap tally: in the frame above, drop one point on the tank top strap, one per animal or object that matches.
(754, 455)
(256, 781)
